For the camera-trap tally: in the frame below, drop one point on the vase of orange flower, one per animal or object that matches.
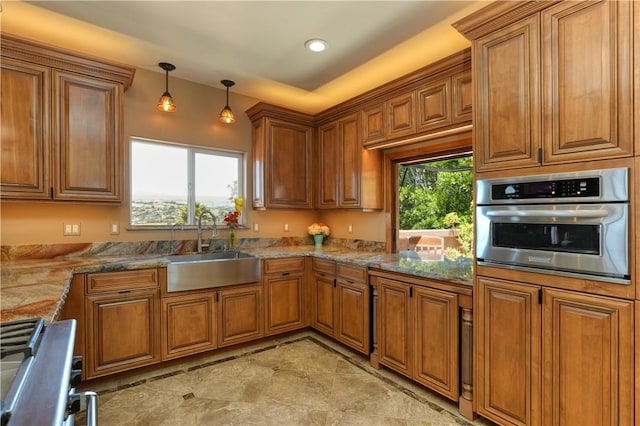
(231, 219)
(319, 231)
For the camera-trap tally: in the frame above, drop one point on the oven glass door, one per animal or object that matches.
(561, 237)
(586, 239)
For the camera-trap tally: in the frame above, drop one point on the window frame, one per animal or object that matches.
(192, 151)
(430, 151)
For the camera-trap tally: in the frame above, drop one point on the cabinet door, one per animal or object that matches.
(588, 359)
(353, 326)
(24, 108)
(324, 304)
(508, 351)
(123, 331)
(87, 137)
(587, 76)
(350, 161)
(507, 109)
(284, 296)
(188, 325)
(373, 124)
(288, 165)
(436, 340)
(239, 315)
(328, 155)
(394, 325)
(434, 106)
(401, 115)
(462, 97)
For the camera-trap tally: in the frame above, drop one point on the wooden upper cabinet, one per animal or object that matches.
(374, 128)
(507, 103)
(282, 155)
(462, 96)
(62, 124)
(401, 115)
(349, 176)
(86, 132)
(553, 82)
(587, 76)
(24, 108)
(434, 104)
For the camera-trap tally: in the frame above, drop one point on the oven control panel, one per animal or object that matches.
(583, 187)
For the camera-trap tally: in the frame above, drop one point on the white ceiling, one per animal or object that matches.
(258, 44)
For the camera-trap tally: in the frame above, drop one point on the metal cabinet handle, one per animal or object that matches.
(91, 399)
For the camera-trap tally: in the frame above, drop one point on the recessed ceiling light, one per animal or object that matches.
(316, 45)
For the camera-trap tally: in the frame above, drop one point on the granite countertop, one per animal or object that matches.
(38, 288)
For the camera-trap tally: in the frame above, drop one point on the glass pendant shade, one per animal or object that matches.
(226, 115)
(166, 102)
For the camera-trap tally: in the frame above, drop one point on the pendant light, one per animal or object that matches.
(166, 103)
(226, 115)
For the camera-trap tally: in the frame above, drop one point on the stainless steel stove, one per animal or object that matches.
(39, 374)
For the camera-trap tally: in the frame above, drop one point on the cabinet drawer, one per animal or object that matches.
(352, 272)
(289, 264)
(324, 265)
(123, 280)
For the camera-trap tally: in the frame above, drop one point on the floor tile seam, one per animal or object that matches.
(200, 366)
(392, 383)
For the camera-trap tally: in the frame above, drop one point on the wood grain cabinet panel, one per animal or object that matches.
(285, 299)
(588, 359)
(353, 300)
(374, 120)
(401, 115)
(395, 325)
(61, 127)
(188, 325)
(240, 315)
(282, 158)
(123, 331)
(588, 80)
(434, 105)
(324, 311)
(508, 351)
(436, 340)
(86, 138)
(462, 96)
(507, 103)
(24, 167)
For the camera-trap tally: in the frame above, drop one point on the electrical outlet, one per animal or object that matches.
(71, 229)
(350, 229)
(115, 229)
(256, 228)
(286, 227)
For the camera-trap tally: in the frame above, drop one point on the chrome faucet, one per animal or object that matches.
(214, 231)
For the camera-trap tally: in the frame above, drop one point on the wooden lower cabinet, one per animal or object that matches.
(240, 314)
(188, 325)
(285, 295)
(122, 331)
(341, 303)
(419, 334)
(547, 356)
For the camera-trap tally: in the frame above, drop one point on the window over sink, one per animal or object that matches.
(173, 183)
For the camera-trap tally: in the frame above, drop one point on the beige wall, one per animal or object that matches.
(195, 122)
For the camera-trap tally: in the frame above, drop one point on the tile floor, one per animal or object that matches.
(303, 379)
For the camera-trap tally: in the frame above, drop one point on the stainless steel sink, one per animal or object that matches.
(208, 270)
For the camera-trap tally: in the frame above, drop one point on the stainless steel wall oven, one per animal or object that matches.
(574, 224)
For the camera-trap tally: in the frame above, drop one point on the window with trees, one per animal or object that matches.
(173, 184)
(435, 206)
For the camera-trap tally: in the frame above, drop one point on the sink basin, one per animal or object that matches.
(209, 270)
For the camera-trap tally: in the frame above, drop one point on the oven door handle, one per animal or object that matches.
(549, 213)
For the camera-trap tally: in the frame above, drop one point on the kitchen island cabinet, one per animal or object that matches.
(60, 109)
(545, 93)
(285, 295)
(418, 333)
(578, 348)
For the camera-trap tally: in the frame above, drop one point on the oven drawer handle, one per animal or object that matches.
(548, 213)
(92, 406)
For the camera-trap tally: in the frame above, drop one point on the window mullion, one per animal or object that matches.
(191, 190)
